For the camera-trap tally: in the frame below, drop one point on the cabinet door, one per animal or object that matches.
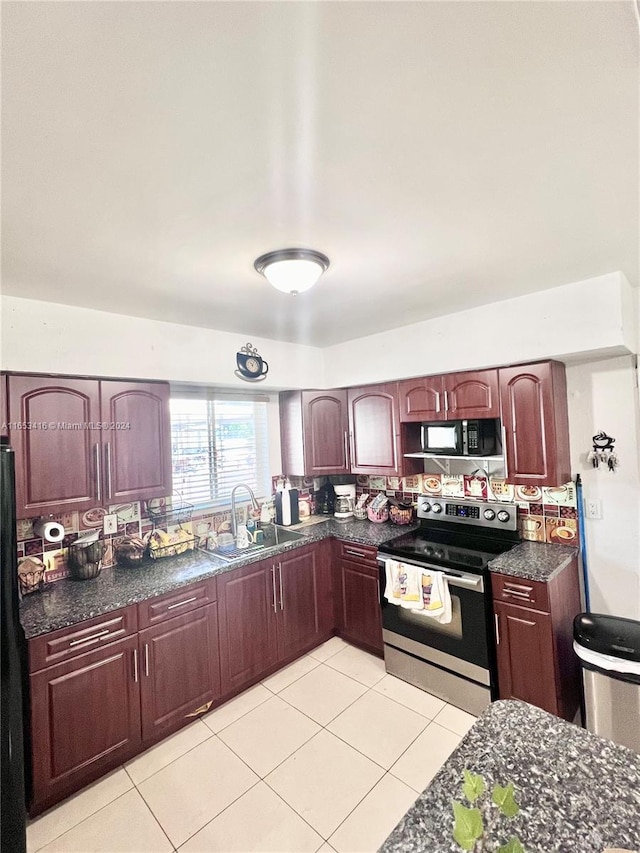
(247, 603)
(304, 599)
(374, 425)
(180, 670)
(85, 719)
(360, 613)
(421, 399)
(526, 653)
(137, 447)
(473, 394)
(56, 467)
(326, 427)
(534, 415)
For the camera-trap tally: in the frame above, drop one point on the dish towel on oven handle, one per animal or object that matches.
(436, 600)
(403, 585)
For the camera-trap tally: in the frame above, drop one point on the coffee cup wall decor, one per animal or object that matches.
(251, 366)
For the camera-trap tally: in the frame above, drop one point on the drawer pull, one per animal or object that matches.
(517, 593)
(90, 639)
(200, 710)
(182, 603)
(354, 553)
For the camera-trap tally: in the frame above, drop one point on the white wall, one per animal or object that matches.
(603, 395)
(590, 316)
(44, 337)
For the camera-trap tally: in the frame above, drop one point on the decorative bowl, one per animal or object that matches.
(377, 516)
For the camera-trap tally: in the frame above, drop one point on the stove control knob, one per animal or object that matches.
(428, 551)
(440, 553)
(503, 515)
(489, 514)
(436, 508)
(425, 506)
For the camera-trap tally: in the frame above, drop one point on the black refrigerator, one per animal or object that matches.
(12, 650)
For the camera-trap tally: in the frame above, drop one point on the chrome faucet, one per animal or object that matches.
(234, 523)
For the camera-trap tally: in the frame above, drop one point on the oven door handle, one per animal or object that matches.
(475, 582)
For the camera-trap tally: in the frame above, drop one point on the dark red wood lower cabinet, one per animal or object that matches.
(305, 614)
(526, 667)
(179, 671)
(85, 719)
(359, 612)
(247, 611)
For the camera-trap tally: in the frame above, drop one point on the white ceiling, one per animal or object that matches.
(443, 154)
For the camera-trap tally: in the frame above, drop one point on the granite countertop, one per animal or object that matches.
(578, 793)
(68, 602)
(535, 561)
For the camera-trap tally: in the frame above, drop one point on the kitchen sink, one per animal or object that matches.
(273, 537)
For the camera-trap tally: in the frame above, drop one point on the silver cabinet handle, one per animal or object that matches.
(108, 449)
(280, 572)
(91, 638)
(505, 451)
(346, 449)
(273, 584)
(182, 603)
(446, 401)
(352, 443)
(354, 553)
(98, 474)
(497, 621)
(146, 659)
(135, 665)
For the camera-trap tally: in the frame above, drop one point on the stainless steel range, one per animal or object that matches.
(455, 660)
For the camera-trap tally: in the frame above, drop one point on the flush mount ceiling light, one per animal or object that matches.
(292, 270)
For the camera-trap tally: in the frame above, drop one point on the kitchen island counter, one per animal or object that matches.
(68, 602)
(577, 792)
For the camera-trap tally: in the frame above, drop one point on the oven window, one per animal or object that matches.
(422, 623)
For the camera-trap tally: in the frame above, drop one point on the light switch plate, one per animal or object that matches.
(110, 523)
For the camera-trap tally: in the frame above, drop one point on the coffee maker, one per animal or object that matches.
(325, 499)
(345, 500)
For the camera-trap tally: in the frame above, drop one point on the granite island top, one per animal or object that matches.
(67, 602)
(535, 561)
(577, 792)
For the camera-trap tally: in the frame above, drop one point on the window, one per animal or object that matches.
(216, 443)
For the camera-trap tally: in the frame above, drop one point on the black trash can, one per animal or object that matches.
(609, 652)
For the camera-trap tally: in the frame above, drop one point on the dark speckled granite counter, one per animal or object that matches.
(578, 793)
(535, 561)
(68, 602)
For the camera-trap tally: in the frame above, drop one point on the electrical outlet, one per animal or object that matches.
(110, 524)
(593, 509)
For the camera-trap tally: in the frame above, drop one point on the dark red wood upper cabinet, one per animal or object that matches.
(304, 599)
(452, 396)
(179, 671)
(421, 399)
(536, 423)
(137, 444)
(472, 394)
(58, 455)
(85, 719)
(314, 429)
(374, 424)
(247, 614)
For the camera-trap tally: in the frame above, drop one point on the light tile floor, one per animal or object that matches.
(325, 755)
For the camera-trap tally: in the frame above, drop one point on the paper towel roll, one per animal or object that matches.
(49, 530)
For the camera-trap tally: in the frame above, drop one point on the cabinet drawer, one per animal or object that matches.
(520, 591)
(176, 602)
(356, 552)
(91, 634)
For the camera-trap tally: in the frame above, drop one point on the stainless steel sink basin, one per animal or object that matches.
(273, 536)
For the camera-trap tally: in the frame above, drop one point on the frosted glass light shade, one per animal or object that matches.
(292, 270)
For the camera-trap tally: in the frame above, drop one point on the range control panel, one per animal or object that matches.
(476, 513)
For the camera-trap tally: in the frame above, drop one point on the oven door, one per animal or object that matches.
(460, 645)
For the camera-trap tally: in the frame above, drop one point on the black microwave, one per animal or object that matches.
(462, 438)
